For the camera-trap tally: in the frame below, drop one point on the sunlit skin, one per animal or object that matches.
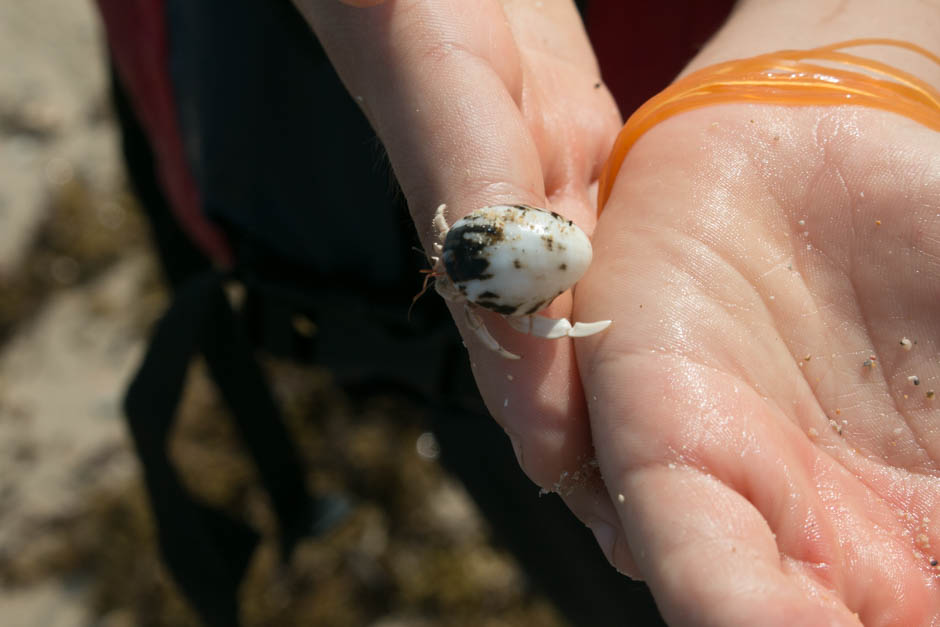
(752, 257)
(760, 410)
(783, 248)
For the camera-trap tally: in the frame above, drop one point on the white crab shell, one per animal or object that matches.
(514, 259)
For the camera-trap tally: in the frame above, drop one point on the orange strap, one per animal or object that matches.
(787, 77)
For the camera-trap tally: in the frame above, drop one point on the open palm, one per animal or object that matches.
(764, 401)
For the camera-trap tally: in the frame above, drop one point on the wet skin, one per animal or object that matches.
(741, 503)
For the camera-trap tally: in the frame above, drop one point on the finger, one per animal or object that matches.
(441, 83)
(572, 116)
(710, 558)
(475, 102)
(713, 501)
(590, 502)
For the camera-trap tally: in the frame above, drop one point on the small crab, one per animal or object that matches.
(513, 260)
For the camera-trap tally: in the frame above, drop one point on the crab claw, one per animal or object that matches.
(552, 329)
(584, 329)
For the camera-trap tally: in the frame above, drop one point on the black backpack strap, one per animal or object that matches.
(207, 551)
(229, 354)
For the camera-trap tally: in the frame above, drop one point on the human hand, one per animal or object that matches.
(754, 258)
(766, 469)
(484, 103)
(464, 124)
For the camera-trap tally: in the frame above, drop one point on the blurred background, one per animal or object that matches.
(79, 291)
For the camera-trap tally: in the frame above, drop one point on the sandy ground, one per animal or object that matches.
(61, 435)
(78, 292)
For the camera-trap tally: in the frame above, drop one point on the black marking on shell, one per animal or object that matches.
(562, 218)
(535, 307)
(563, 267)
(506, 310)
(516, 264)
(465, 250)
(549, 241)
(488, 295)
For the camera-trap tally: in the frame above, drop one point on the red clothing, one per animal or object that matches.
(642, 46)
(137, 37)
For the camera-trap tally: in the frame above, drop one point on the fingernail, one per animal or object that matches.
(516, 447)
(606, 536)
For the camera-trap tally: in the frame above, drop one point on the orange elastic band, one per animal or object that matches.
(787, 77)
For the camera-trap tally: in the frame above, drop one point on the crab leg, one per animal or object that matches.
(476, 323)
